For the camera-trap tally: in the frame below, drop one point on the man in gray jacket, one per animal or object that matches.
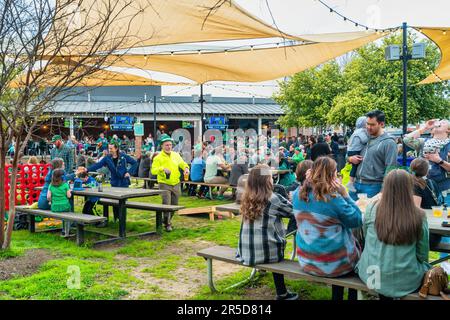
(377, 158)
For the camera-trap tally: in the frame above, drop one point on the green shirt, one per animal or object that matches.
(297, 158)
(173, 162)
(286, 179)
(399, 268)
(60, 202)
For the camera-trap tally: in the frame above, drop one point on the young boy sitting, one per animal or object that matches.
(84, 179)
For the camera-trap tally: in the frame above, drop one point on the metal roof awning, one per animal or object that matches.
(162, 108)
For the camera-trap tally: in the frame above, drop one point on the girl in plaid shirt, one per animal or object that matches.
(262, 235)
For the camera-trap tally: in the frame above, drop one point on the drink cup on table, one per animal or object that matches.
(437, 211)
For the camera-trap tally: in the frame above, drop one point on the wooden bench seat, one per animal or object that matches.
(142, 205)
(79, 219)
(210, 186)
(231, 207)
(158, 208)
(289, 268)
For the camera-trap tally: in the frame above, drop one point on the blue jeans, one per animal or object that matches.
(370, 189)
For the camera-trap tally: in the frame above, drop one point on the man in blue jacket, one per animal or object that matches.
(117, 163)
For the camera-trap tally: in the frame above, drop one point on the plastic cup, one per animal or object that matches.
(362, 195)
(437, 211)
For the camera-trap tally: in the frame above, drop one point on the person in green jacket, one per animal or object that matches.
(166, 167)
(298, 156)
(286, 179)
(395, 255)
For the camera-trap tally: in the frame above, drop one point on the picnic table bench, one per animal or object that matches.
(287, 267)
(209, 185)
(79, 219)
(230, 207)
(158, 208)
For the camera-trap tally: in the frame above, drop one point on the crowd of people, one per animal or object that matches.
(388, 240)
(334, 237)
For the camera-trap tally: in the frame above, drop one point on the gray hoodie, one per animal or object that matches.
(379, 155)
(360, 137)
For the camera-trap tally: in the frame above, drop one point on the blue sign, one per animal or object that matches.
(121, 123)
(219, 123)
(122, 120)
(121, 127)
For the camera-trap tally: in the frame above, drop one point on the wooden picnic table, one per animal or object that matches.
(120, 194)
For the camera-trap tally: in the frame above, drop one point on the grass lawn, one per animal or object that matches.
(157, 268)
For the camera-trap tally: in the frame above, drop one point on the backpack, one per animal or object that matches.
(435, 283)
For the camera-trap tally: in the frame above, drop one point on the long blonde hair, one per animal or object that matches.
(258, 190)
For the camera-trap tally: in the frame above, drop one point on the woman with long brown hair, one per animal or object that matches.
(325, 215)
(395, 255)
(262, 235)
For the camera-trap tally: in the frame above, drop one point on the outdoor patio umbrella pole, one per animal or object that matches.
(202, 122)
(405, 58)
(154, 119)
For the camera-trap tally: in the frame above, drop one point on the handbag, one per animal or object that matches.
(435, 283)
(436, 194)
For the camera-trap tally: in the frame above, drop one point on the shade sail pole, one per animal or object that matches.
(202, 122)
(154, 120)
(405, 59)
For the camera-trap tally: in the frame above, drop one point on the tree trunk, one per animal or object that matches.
(12, 196)
(2, 186)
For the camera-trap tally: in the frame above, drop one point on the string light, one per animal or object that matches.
(444, 32)
(357, 24)
(238, 91)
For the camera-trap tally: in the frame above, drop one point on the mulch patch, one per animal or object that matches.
(24, 265)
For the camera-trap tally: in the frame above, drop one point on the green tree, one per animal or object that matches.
(338, 95)
(383, 81)
(353, 103)
(308, 97)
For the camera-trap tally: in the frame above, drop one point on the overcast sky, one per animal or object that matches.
(310, 16)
